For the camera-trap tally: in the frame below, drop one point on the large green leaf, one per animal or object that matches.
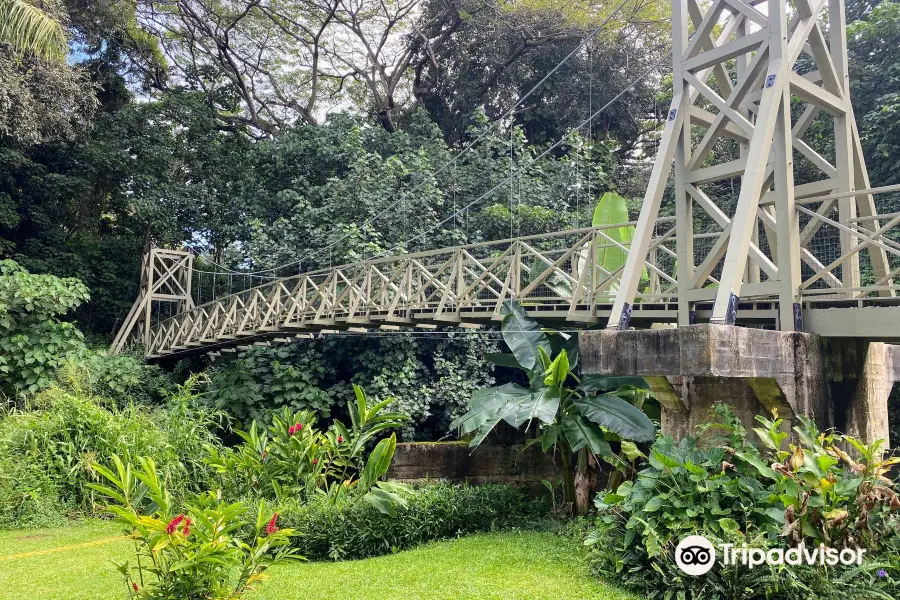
(379, 462)
(502, 360)
(523, 336)
(605, 383)
(558, 372)
(541, 405)
(490, 406)
(565, 341)
(617, 416)
(582, 433)
(612, 210)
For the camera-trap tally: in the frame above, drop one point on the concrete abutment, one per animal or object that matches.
(837, 382)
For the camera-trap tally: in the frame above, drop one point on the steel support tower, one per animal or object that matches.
(736, 76)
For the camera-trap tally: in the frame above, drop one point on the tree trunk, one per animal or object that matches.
(568, 477)
(582, 483)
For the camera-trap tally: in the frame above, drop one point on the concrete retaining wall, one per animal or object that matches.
(416, 462)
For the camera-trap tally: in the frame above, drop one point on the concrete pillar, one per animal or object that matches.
(842, 383)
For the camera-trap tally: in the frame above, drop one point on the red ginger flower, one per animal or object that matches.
(315, 461)
(340, 439)
(187, 527)
(270, 528)
(173, 524)
(134, 586)
(295, 428)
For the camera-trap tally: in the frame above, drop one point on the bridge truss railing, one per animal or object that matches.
(550, 273)
(570, 275)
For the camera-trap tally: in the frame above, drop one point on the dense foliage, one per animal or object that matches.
(293, 459)
(428, 377)
(202, 553)
(436, 511)
(722, 486)
(33, 341)
(47, 449)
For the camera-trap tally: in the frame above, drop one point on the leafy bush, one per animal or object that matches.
(122, 378)
(428, 378)
(291, 458)
(47, 449)
(436, 511)
(730, 491)
(33, 341)
(196, 555)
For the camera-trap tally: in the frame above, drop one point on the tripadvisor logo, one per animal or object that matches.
(696, 555)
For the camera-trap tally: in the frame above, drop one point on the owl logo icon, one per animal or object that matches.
(695, 555)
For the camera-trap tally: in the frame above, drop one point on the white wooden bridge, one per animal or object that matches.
(819, 254)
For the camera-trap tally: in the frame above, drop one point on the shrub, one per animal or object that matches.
(730, 491)
(33, 341)
(436, 511)
(293, 458)
(199, 554)
(46, 450)
(122, 378)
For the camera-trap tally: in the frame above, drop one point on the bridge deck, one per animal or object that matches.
(552, 275)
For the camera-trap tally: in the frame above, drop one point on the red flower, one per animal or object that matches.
(340, 439)
(270, 528)
(315, 461)
(173, 524)
(187, 527)
(295, 428)
(134, 586)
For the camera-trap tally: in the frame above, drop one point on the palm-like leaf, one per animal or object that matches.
(617, 416)
(523, 336)
(28, 29)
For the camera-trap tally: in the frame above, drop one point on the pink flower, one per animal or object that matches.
(173, 524)
(340, 439)
(270, 527)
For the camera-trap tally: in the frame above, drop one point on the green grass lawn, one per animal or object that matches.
(73, 563)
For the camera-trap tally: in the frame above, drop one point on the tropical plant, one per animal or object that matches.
(574, 415)
(33, 341)
(731, 491)
(47, 448)
(291, 458)
(198, 553)
(29, 29)
(612, 209)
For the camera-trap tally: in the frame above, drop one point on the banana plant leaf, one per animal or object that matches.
(611, 210)
(565, 341)
(523, 336)
(603, 383)
(617, 416)
(581, 433)
(509, 402)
